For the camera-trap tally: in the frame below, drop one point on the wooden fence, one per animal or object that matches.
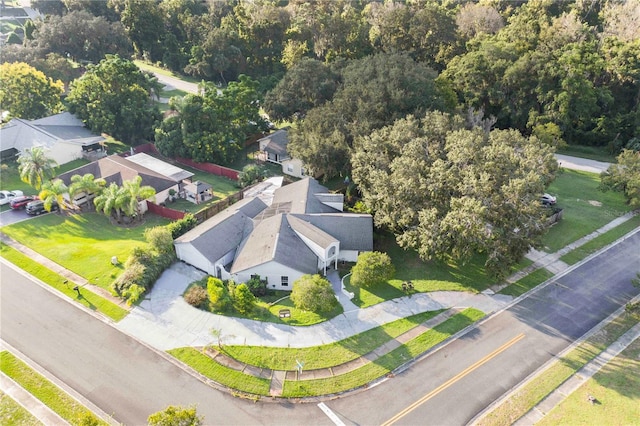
(164, 211)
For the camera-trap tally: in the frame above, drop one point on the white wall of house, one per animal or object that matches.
(348, 255)
(293, 167)
(273, 273)
(188, 254)
(63, 152)
(162, 196)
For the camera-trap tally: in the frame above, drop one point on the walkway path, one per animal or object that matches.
(165, 321)
(551, 261)
(578, 379)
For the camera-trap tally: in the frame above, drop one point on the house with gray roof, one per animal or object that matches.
(62, 136)
(161, 176)
(273, 148)
(303, 231)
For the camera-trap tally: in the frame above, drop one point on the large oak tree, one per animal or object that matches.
(447, 191)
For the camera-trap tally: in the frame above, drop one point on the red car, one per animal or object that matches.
(22, 201)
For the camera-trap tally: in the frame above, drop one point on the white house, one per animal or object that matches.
(302, 231)
(273, 148)
(62, 136)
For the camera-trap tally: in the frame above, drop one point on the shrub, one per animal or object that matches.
(196, 296)
(218, 294)
(257, 286)
(244, 300)
(182, 226)
(160, 239)
(250, 174)
(133, 293)
(313, 293)
(131, 275)
(176, 415)
(372, 268)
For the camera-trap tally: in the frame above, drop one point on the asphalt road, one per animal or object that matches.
(453, 385)
(450, 387)
(113, 371)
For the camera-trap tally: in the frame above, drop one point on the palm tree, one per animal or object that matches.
(53, 191)
(112, 200)
(136, 194)
(86, 184)
(35, 167)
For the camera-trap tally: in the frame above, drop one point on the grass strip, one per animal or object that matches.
(386, 363)
(89, 299)
(537, 389)
(328, 355)
(52, 396)
(601, 241)
(12, 413)
(223, 375)
(526, 283)
(616, 388)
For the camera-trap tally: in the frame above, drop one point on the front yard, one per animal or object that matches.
(83, 243)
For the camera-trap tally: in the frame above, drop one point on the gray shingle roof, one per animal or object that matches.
(354, 231)
(117, 169)
(301, 195)
(274, 240)
(311, 232)
(225, 231)
(275, 143)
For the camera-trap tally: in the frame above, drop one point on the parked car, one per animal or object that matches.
(35, 208)
(21, 202)
(547, 200)
(7, 196)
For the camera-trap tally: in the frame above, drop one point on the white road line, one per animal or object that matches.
(335, 419)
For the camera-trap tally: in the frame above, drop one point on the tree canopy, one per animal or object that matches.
(212, 126)
(371, 269)
(27, 93)
(115, 97)
(624, 176)
(448, 191)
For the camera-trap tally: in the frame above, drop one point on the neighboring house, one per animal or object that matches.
(273, 148)
(63, 137)
(161, 176)
(303, 231)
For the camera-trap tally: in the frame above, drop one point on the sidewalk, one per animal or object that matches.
(551, 261)
(29, 402)
(579, 378)
(165, 321)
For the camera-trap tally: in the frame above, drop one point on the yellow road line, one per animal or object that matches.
(454, 379)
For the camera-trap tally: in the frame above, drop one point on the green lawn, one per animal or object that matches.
(616, 388)
(384, 364)
(10, 178)
(371, 371)
(53, 397)
(586, 208)
(534, 391)
(526, 283)
(88, 299)
(12, 413)
(223, 375)
(326, 355)
(426, 276)
(82, 243)
(599, 242)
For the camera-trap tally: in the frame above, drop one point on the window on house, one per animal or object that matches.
(284, 281)
(290, 168)
(332, 250)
